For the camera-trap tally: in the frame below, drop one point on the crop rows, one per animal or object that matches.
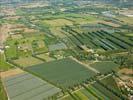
(99, 39)
(25, 86)
(70, 72)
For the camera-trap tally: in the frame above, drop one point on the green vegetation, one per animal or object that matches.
(81, 95)
(3, 95)
(105, 66)
(27, 61)
(3, 64)
(65, 73)
(76, 45)
(105, 91)
(111, 82)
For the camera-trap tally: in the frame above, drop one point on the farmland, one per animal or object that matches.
(28, 61)
(70, 78)
(58, 22)
(3, 64)
(2, 92)
(105, 67)
(103, 40)
(66, 50)
(37, 88)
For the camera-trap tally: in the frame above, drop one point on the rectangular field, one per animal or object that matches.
(105, 66)
(27, 61)
(64, 73)
(58, 22)
(25, 86)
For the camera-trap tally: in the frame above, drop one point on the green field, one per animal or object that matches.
(80, 95)
(57, 22)
(3, 64)
(65, 49)
(65, 73)
(27, 61)
(111, 82)
(67, 98)
(3, 95)
(106, 92)
(105, 66)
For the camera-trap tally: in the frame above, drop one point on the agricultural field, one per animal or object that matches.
(89, 92)
(105, 66)
(126, 20)
(3, 64)
(46, 57)
(66, 49)
(39, 46)
(111, 82)
(27, 61)
(3, 95)
(103, 40)
(58, 46)
(28, 86)
(57, 31)
(57, 22)
(64, 73)
(107, 93)
(86, 20)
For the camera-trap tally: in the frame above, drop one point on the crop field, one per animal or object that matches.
(58, 46)
(27, 61)
(39, 46)
(3, 64)
(93, 94)
(105, 66)
(58, 22)
(57, 32)
(81, 21)
(66, 49)
(3, 95)
(11, 51)
(65, 73)
(127, 20)
(106, 92)
(82, 96)
(87, 93)
(67, 98)
(129, 34)
(17, 36)
(25, 86)
(103, 40)
(111, 82)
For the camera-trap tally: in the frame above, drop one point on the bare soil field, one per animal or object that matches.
(11, 72)
(12, 17)
(8, 11)
(4, 29)
(126, 71)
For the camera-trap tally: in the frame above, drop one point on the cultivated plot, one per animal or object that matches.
(58, 22)
(65, 73)
(25, 86)
(27, 61)
(105, 66)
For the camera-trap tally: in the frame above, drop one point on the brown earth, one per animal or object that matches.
(11, 72)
